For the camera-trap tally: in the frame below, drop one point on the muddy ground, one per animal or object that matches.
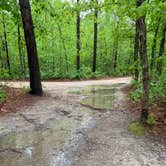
(79, 124)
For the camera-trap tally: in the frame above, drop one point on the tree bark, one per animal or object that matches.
(131, 55)
(95, 38)
(35, 80)
(145, 67)
(53, 55)
(161, 51)
(6, 44)
(154, 44)
(21, 56)
(115, 55)
(115, 49)
(3, 51)
(78, 38)
(1, 64)
(136, 51)
(64, 46)
(105, 46)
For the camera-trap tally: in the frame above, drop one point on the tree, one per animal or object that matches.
(78, 37)
(95, 37)
(35, 81)
(161, 51)
(115, 47)
(145, 67)
(154, 45)
(20, 49)
(64, 47)
(136, 51)
(6, 44)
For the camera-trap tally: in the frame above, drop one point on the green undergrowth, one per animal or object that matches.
(140, 129)
(84, 73)
(2, 96)
(157, 91)
(151, 120)
(137, 128)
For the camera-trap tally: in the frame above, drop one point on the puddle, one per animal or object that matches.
(91, 88)
(99, 97)
(54, 144)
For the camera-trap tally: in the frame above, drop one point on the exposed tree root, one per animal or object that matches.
(10, 150)
(94, 108)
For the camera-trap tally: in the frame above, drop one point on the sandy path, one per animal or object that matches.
(59, 131)
(60, 85)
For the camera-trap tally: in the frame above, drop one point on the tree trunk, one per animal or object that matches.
(115, 54)
(161, 51)
(154, 44)
(53, 55)
(21, 56)
(6, 44)
(105, 46)
(131, 55)
(145, 68)
(64, 46)
(136, 51)
(3, 51)
(78, 38)
(95, 38)
(115, 49)
(1, 64)
(35, 81)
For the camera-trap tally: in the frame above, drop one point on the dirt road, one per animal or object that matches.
(80, 124)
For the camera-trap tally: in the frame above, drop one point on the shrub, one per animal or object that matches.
(151, 120)
(137, 129)
(2, 96)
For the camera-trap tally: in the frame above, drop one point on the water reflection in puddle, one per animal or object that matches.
(35, 147)
(99, 97)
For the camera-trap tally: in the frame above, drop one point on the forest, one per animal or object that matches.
(82, 40)
(78, 40)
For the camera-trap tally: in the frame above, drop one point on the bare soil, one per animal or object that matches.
(16, 99)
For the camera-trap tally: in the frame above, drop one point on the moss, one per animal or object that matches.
(137, 129)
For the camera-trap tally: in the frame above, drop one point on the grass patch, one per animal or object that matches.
(2, 96)
(151, 120)
(137, 129)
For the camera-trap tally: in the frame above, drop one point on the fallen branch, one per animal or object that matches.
(10, 150)
(94, 108)
(27, 119)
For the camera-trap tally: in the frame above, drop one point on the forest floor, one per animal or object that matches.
(79, 123)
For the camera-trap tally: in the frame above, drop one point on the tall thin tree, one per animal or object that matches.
(154, 45)
(6, 44)
(161, 50)
(115, 47)
(95, 36)
(78, 37)
(136, 51)
(35, 80)
(20, 49)
(145, 66)
(64, 47)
